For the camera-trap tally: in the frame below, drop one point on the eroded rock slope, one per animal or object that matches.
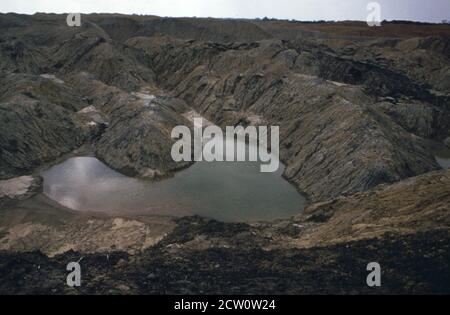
(349, 119)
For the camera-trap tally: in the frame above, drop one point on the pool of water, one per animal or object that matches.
(227, 191)
(441, 154)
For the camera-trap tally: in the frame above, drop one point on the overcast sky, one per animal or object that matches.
(417, 10)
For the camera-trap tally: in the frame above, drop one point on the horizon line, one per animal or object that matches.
(265, 18)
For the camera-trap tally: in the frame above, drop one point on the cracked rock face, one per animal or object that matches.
(137, 141)
(33, 132)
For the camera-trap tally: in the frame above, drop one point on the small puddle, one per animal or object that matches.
(441, 153)
(226, 191)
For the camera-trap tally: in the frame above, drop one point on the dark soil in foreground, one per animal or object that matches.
(412, 264)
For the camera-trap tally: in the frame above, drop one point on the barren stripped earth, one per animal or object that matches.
(357, 108)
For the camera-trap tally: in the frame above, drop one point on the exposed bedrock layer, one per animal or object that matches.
(424, 60)
(37, 122)
(137, 139)
(422, 119)
(144, 149)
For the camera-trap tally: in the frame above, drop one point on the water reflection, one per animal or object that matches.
(441, 153)
(228, 191)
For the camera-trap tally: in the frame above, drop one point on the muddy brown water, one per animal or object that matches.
(226, 191)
